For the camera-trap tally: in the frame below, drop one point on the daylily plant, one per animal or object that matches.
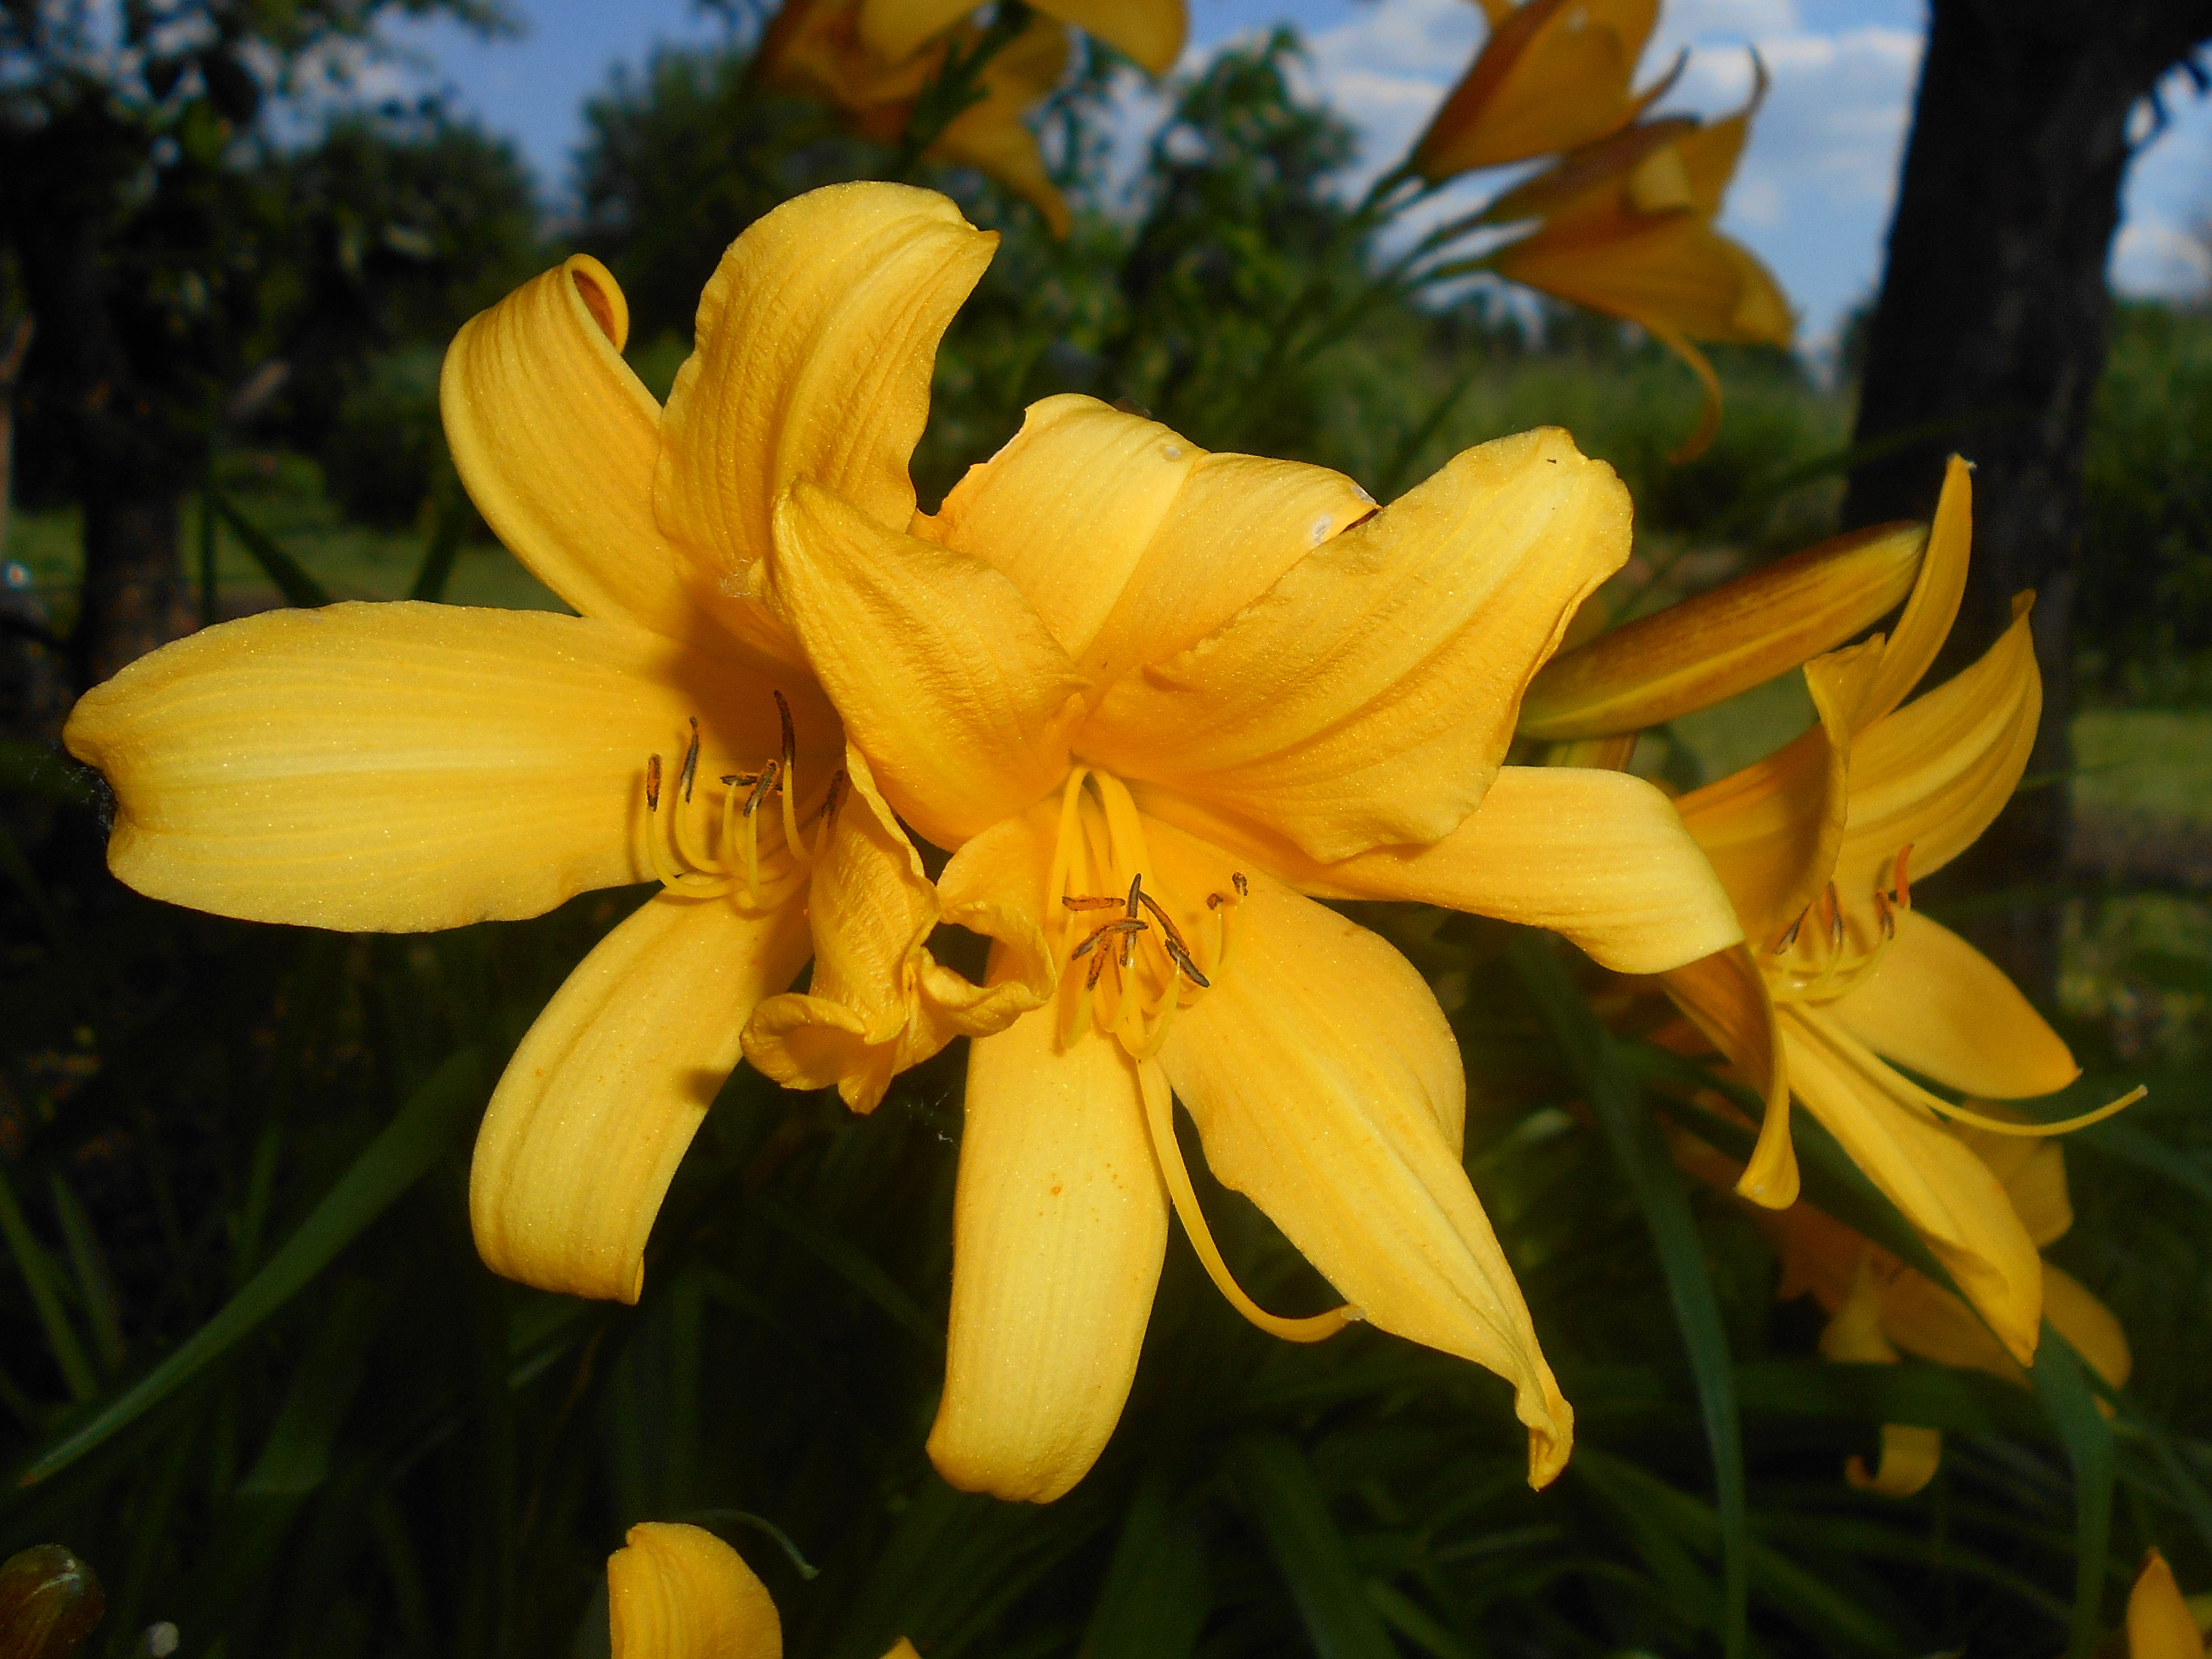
(2160, 1622)
(405, 767)
(1152, 698)
(678, 1592)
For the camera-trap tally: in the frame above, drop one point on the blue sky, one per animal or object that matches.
(1813, 196)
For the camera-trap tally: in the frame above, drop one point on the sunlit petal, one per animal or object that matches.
(1725, 996)
(1552, 75)
(942, 670)
(1318, 1071)
(1367, 698)
(817, 339)
(1933, 605)
(587, 1126)
(1939, 1007)
(678, 1592)
(1059, 1225)
(405, 767)
(1950, 1196)
(1151, 32)
(2160, 1625)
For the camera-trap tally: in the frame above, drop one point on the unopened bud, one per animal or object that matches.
(49, 1603)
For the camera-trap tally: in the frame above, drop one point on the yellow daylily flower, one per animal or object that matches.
(2161, 1624)
(1816, 845)
(872, 58)
(1879, 1307)
(678, 1592)
(1152, 698)
(407, 767)
(1554, 74)
(1626, 227)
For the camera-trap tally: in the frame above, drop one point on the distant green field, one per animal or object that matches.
(2147, 760)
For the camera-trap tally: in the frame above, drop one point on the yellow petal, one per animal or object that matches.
(1933, 774)
(1552, 75)
(1672, 273)
(587, 1126)
(678, 1592)
(1587, 181)
(895, 29)
(1939, 1007)
(1950, 1196)
(1853, 1334)
(1934, 604)
(1067, 508)
(556, 440)
(1319, 1070)
(2159, 1626)
(1366, 699)
(1774, 828)
(1910, 1456)
(1151, 32)
(1725, 997)
(995, 887)
(2033, 1169)
(817, 339)
(2088, 1324)
(405, 767)
(991, 134)
(1059, 1225)
(943, 673)
(1927, 1322)
(1740, 634)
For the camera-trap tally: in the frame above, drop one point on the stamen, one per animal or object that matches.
(1857, 1056)
(2037, 1131)
(691, 760)
(652, 784)
(1089, 901)
(832, 799)
(791, 838)
(1790, 937)
(1159, 1117)
(1900, 886)
(1124, 926)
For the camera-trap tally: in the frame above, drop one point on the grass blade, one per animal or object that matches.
(1157, 1594)
(2063, 1381)
(1272, 1476)
(392, 1164)
(40, 1274)
(1633, 1134)
(447, 521)
(292, 581)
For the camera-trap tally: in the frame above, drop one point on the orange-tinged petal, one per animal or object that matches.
(1939, 1007)
(1774, 828)
(1909, 1458)
(991, 135)
(1059, 1225)
(403, 768)
(2160, 1625)
(1586, 182)
(678, 1592)
(1151, 32)
(1932, 776)
(1552, 75)
(896, 29)
(587, 1126)
(2088, 1324)
(1067, 508)
(1367, 698)
(1740, 634)
(1725, 997)
(1950, 1196)
(817, 339)
(1934, 604)
(1238, 524)
(556, 440)
(945, 674)
(1673, 273)
(1319, 1070)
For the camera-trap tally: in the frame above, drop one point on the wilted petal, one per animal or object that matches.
(1367, 698)
(1320, 1071)
(1950, 1196)
(403, 768)
(1740, 634)
(1059, 1225)
(678, 1592)
(943, 671)
(596, 1109)
(816, 340)
(1939, 1007)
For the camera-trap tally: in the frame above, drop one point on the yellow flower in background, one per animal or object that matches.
(871, 59)
(403, 768)
(678, 1592)
(1554, 74)
(1626, 227)
(1842, 982)
(2161, 1624)
(1153, 697)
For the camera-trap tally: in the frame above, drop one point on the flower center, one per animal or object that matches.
(725, 853)
(1821, 962)
(1130, 963)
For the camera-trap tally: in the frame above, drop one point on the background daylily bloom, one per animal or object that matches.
(2161, 1623)
(407, 767)
(1626, 227)
(1151, 32)
(678, 1592)
(1554, 74)
(1818, 844)
(1152, 696)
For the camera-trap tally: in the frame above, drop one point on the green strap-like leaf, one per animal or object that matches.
(389, 1165)
(1638, 1146)
(292, 581)
(1156, 1594)
(448, 520)
(1276, 1484)
(2063, 1381)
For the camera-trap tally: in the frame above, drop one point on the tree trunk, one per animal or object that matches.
(136, 597)
(1990, 330)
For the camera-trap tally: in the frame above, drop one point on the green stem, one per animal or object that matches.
(956, 86)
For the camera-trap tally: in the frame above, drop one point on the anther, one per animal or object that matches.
(1900, 886)
(790, 735)
(835, 796)
(691, 760)
(1178, 948)
(761, 786)
(1089, 901)
(1123, 926)
(652, 784)
(1835, 918)
(1790, 937)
